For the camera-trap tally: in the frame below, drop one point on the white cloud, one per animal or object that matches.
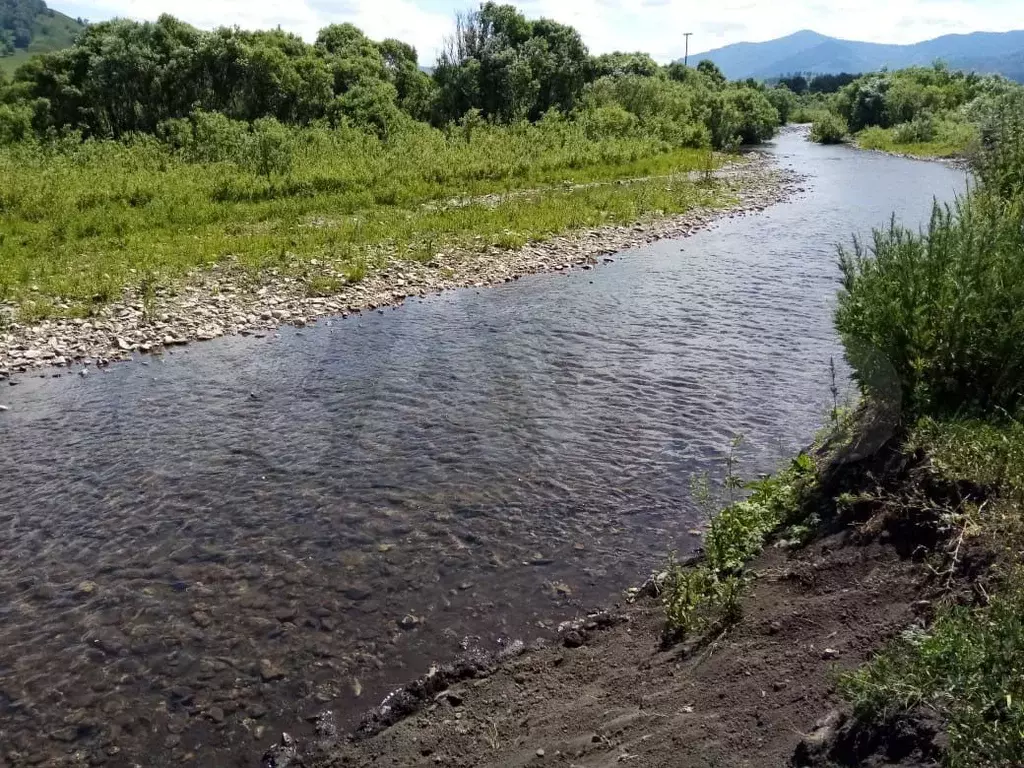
(655, 26)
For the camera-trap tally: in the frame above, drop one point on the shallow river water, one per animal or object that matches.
(202, 549)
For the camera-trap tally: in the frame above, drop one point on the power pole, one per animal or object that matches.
(686, 55)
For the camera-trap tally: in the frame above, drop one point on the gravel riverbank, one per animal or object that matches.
(223, 301)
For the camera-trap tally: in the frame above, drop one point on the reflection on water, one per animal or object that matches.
(201, 549)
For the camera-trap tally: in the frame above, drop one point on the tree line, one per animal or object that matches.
(123, 77)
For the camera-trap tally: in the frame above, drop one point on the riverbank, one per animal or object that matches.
(758, 690)
(608, 696)
(783, 681)
(227, 299)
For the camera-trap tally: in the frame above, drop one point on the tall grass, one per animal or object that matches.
(81, 220)
(966, 669)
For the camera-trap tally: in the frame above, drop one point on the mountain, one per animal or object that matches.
(808, 51)
(28, 27)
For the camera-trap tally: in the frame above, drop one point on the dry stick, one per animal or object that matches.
(959, 543)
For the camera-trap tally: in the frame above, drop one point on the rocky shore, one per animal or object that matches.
(610, 691)
(223, 300)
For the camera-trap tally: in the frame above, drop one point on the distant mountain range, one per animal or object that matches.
(808, 51)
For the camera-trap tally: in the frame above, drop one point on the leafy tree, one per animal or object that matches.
(796, 83)
(680, 72)
(784, 101)
(508, 67)
(624, 64)
(414, 87)
(711, 71)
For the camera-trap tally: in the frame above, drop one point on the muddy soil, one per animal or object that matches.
(746, 698)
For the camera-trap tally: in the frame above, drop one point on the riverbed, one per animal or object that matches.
(203, 548)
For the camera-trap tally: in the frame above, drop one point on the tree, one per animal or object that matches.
(618, 64)
(796, 83)
(414, 87)
(783, 100)
(509, 67)
(711, 71)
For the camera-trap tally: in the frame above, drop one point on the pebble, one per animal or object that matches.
(270, 671)
(409, 622)
(213, 301)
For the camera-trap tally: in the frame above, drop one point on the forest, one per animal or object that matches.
(123, 77)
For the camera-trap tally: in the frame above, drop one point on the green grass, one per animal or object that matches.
(804, 114)
(968, 666)
(10, 63)
(968, 669)
(80, 222)
(953, 145)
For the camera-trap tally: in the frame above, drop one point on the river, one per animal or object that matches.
(201, 549)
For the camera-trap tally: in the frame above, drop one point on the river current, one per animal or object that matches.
(200, 549)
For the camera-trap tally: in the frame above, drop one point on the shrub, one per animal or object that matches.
(939, 316)
(829, 129)
(784, 101)
(756, 118)
(271, 148)
(917, 131)
(15, 124)
(875, 138)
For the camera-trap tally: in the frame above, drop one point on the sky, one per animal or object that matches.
(653, 26)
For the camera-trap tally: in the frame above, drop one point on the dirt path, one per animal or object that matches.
(745, 699)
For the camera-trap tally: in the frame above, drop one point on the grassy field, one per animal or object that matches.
(82, 221)
(949, 145)
(10, 63)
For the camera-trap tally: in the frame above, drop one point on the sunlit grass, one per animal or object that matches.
(80, 222)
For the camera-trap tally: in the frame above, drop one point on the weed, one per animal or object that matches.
(356, 270)
(324, 285)
(695, 598)
(966, 669)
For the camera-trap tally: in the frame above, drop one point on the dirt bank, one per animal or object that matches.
(224, 301)
(614, 695)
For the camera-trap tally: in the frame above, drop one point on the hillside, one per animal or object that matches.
(28, 27)
(807, 51)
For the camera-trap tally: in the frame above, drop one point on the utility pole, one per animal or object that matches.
(686, 55)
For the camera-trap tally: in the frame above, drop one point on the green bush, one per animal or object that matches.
(939, 316)
(829, 129)
(15, 124)
(271, 148)
(784, 101)
(917, 131)
(757, 120)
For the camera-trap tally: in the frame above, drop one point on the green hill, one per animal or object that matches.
(28, 27)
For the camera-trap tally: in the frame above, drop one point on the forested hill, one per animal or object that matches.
(28, 26)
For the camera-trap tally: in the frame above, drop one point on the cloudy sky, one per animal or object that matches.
(655, 26)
